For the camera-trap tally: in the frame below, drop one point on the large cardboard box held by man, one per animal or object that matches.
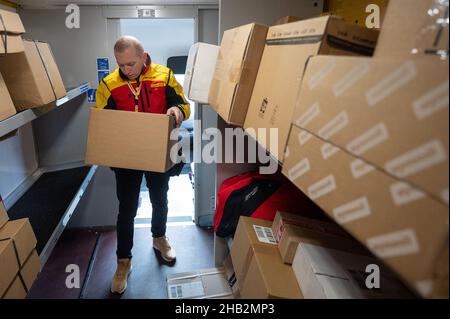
(392, 113)
(259, 268)
(7, 108)
(200, 67)
(288, 48)
(399, 223)
(132, 140)
(11, 28)
(235, 72)
(32, 77)
(414, 29)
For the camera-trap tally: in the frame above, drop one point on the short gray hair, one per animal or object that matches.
(128, 41)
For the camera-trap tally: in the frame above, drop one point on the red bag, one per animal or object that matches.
(258, 196)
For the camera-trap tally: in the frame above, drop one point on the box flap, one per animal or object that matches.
(13, 44)
(8, 264)
(52, 69)
(11, 22)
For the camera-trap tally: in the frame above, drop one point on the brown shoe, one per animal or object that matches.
(119, 282)
(162, 245)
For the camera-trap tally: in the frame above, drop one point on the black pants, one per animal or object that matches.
(128, 188)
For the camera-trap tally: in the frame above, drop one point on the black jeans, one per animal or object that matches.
(128, 183)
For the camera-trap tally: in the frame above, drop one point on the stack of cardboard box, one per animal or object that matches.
(369, 144)
(32, 76)
(296, 257)
(11, 42)
(19, 261)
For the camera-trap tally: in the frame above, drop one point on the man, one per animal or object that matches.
(140, 86)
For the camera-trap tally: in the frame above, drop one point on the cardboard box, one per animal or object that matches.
(260, 271)
(325, 273)
(235, 72)
(287, 19)
(200, 67)
(230, 275)
(208, 283)
(11, 27)
(409, 30)
(357, 11)
(133, 140)
(317, 234)
(16, 290)
(8, 265)
(30, 269)
(32, 77)
(288, 48)
(282, 219)
(396, 221)
(3, 214)
(392, 113)
(21, 233)
(7, 108)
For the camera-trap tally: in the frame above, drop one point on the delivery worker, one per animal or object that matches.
(140, 86)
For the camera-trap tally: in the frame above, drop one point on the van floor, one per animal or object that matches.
(94, 254)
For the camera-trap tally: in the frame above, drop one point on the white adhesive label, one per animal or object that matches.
(418, 159)
(391, 83)
(304, 137)
(360, 168)
(328, 150)
(350, 78)
(264, 234)
(309, 115)
(402, 193)
(432, 102)
(299, 169)
(395, 244)
(371, 138)
(322, 187)
(334, 126)
(315, 80)
(351, 211)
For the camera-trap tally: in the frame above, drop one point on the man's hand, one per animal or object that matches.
(175, 111)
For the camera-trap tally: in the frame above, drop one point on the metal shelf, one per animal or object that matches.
(14, 122)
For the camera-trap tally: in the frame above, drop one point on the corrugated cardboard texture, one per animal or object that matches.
(259, 269)
(199, 71)
(8, 264)
(392, 113)
(11, 22)
(325, 273)
(269, 277)
(16, 290)
(22, 234)
(293, 235)
(397, 222)
(26, 78)
(30, 269)
(14, 44)
(235, 73)
(131, 140)
(3, 214)
(287, 19)
(7, 108)
(408, 27)
(288, 48)
(213, 281)
(52, 69)
(244, 239)
(283, 218)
